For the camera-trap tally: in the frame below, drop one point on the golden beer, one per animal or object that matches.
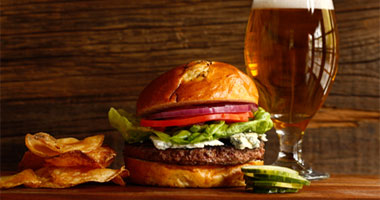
(292, 56)
(291, 52)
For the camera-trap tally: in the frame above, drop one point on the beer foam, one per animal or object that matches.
(306, 4)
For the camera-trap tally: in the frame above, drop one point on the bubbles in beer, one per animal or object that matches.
(306, 4)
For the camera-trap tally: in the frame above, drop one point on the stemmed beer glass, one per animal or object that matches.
(291, 52)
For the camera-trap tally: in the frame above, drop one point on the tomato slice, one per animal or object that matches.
(239, 117)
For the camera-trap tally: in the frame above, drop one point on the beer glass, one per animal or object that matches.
(291, 52)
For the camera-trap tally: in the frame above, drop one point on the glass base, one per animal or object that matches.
(312, 175)
(306, 172)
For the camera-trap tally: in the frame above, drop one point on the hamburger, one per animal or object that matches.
(195, 126)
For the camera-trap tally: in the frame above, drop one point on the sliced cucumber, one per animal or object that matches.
(272, 179)
(268, 169)
(272, 190)
(281, 178)
(271, 184)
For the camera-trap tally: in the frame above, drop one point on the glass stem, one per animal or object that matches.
(298, 153)
(290, 154)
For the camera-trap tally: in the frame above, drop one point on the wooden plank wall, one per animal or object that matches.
(65, 63)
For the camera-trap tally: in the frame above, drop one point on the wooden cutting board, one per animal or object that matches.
(336, 187)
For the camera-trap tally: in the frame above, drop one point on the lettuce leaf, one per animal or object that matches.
(128, 125)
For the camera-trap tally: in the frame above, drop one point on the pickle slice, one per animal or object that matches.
(280, 178)
(274, 190)
(272, 184)
(268, 169)
(272, 179)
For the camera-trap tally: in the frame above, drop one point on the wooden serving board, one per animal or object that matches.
(336, 187)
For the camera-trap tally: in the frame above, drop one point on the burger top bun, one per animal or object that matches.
(197, 82)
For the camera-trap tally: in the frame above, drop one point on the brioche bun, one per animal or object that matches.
(198, 82)
(168, 175)
(194, 84)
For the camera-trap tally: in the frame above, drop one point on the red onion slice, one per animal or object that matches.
(188, 112)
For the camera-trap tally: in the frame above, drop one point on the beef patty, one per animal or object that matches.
(218, 155)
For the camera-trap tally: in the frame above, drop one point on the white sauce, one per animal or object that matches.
(240, 141)
(162, 145)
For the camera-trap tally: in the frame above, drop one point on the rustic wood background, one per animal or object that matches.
(65, 63)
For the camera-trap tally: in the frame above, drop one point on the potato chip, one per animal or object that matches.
(72, 159)
(68, 140)
(31, 161)
(119, 179)
(27, 177)
(65, 162)
(44, 145)
(52, 177)
(86, 145)
(102, 155)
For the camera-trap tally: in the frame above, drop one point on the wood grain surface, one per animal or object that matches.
(337, 187)
(65, 63)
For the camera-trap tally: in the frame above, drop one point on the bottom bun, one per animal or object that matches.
(161, 174)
